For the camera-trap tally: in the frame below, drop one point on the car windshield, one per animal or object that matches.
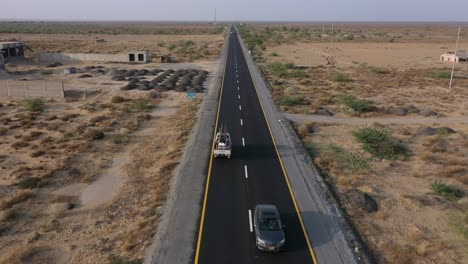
(269, 222)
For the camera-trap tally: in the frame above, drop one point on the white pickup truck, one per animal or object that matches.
(223, 143)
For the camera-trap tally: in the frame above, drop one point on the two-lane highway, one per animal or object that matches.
(254, 175)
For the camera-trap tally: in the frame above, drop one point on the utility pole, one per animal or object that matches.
(454, 59)
(215, 16)
(331, 36)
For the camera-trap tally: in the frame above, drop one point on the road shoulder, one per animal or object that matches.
(175, 238)
(330, 234)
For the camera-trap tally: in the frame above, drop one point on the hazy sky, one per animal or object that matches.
(238, 10)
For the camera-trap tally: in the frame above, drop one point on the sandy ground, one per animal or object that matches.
(420, 226)
(203, 47)
(66, 198)
(393, 55)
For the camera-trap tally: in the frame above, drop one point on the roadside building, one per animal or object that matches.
(11, 50)
(461, 56)
(2, 61)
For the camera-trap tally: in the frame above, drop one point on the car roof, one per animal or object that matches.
(267, 208)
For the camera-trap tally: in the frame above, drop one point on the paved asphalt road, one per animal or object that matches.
(252, 176)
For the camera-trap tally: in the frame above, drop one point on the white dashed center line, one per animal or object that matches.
(242, 123)
(238, 96)
(246, 174)
(250, 221)
(240, 108)
(243, 142)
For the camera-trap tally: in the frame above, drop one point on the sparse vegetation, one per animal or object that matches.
(142, 105)
(339, 77)
(354, 103)
(274, 54)
(291, 100)
(345, 159)
(33, 105)
(95, 134)
(379, 143)
(449, 192)
(378, 70)
(47, 72)
(7, 215)
(117, 99)
(440, 74)
(18, 197)
(311, 149)
(118, 139)
(28, 183)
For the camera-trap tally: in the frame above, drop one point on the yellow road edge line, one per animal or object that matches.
(309, 244)
(202, 219)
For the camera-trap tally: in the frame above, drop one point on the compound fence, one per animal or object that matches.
(25, 89)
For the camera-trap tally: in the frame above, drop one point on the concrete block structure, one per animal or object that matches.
(132, 57)
(2, 61)
(12, 49)
(461, 56)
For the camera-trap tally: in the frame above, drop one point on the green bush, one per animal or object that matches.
(28, 183)
(289, 65)
(34, 105)
(47, 72)
(440, 74)
(297, 73)
(172, 47)
(291, 100)
(340, 77)
(354, 103)
(377, 70)
(378, 142)
(189, 43)
(449, 192)
(347, 160)
(311, 149)
(278, 69)
(274, 54)
(142, 105)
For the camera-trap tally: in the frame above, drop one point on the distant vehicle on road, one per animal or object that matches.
(269, 234)
(223, 144)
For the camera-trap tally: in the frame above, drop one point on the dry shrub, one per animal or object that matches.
(463, 179)
(422, 248)
(19, 144)
(305, 128)
(19, 255)
(450, 171)
(37, 153)
(18, 197)
(117, 99)
(62, 199)
(50, 118)
(35, 134)
(3, 131)
(7, 215)
(426, 156)
(68, 117)
(398, 254)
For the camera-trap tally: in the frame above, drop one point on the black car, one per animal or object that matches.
(269, 234)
